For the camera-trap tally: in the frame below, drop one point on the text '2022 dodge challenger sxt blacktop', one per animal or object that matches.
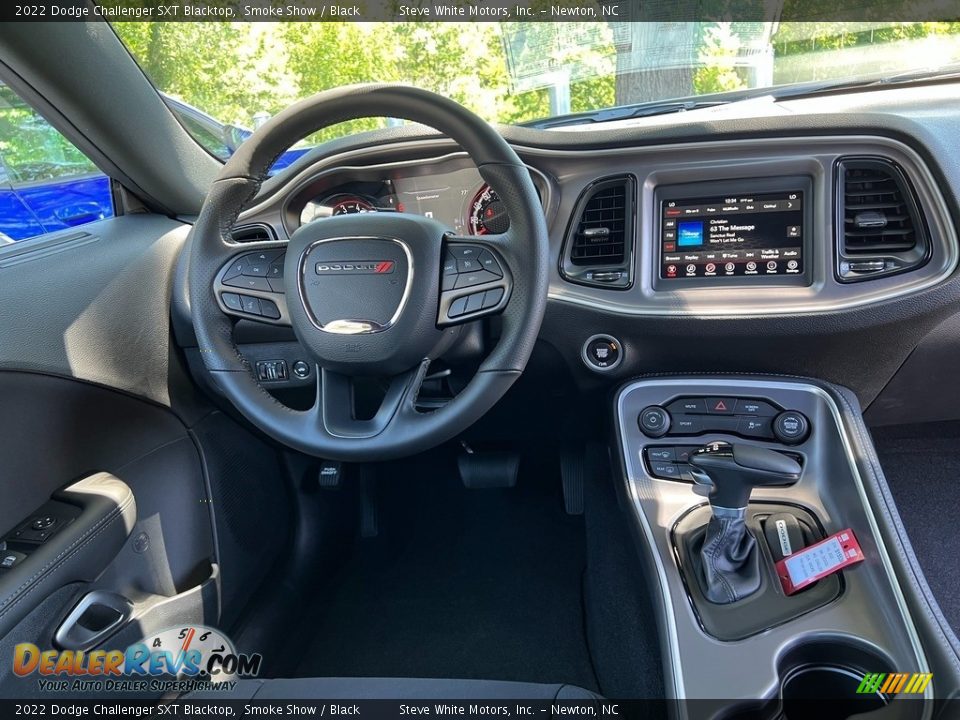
(585, 358)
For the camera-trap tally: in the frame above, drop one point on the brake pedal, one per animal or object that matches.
(479, 471)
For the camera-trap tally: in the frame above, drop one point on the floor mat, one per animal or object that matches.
(459, 584)
(922, 465)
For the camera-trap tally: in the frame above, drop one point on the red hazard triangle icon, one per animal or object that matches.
(721, 406)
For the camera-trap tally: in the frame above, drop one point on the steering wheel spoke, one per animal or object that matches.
(251, 285)
(476, 279)
(336, 403)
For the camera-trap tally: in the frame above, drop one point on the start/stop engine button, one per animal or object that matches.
(602, 353)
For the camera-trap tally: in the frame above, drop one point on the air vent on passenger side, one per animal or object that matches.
(598, 249)
(252, 233)
(879, 225)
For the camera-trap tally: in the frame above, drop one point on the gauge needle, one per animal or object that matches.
(186, 645)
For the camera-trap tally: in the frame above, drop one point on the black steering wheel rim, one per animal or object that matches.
(400, 429)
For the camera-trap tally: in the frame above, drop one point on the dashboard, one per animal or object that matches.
(852, 197)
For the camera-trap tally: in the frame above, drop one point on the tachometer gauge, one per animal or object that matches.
(487, 213)
(335, 205)
(349, 205)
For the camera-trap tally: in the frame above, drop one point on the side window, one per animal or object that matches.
(46, 184)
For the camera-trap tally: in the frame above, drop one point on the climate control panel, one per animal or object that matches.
(757, 418)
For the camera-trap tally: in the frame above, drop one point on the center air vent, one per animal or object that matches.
(598, 249)
(252, 233)
(880, 228)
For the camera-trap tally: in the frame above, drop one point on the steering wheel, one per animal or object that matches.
(371, 294)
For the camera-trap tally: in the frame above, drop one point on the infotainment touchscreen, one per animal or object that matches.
(740, 235)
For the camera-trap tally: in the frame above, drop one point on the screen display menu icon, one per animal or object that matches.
(737, 236)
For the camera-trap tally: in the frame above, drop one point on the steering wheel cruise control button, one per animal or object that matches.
(654, 421)
(489, 263)
(474, 278)
(449, 265)
(791, 427)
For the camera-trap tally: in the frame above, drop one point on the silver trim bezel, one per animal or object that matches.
(353, 326)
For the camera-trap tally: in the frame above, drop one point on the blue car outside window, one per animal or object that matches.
(46, 183)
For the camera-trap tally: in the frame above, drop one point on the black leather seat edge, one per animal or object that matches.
(395, 689)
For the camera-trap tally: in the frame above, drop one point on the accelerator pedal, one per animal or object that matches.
(369, 525)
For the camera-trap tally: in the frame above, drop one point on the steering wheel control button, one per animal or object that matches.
(471, 279)
(232, 301)
(468, 265)
(449, 265)
(235, 269)
(654, 421)
(269, 309)
(791, 427)
(458, 307)
(301, 369)
(602, 353)
(721, 405)
(251, 305)
(465, 252)
(489, 263)
(475, 302)
(256, 268)
(491, 298)
(249, 283)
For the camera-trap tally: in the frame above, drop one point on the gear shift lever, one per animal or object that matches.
(727, 474)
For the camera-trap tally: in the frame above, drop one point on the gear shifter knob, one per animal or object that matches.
(728, 473)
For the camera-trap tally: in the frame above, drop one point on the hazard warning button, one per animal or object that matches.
(721, 405)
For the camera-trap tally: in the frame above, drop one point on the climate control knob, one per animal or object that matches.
(654, 421)
(791, 427)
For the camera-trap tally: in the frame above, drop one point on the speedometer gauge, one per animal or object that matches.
(487, 213)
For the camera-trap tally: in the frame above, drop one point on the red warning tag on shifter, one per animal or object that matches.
(819, 560)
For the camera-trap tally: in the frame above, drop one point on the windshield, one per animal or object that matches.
(224, 79)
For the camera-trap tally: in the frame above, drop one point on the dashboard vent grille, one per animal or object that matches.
(600, 236)
(881, 230)
(252, 233)
(876, 213)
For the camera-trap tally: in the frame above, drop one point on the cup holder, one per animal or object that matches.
(820, 679)
(818, 683)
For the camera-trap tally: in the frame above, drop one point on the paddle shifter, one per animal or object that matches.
(727, 474)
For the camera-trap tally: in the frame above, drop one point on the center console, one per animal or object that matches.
(737, 474)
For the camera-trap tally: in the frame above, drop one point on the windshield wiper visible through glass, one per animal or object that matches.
(624, 112)
(950, 71)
